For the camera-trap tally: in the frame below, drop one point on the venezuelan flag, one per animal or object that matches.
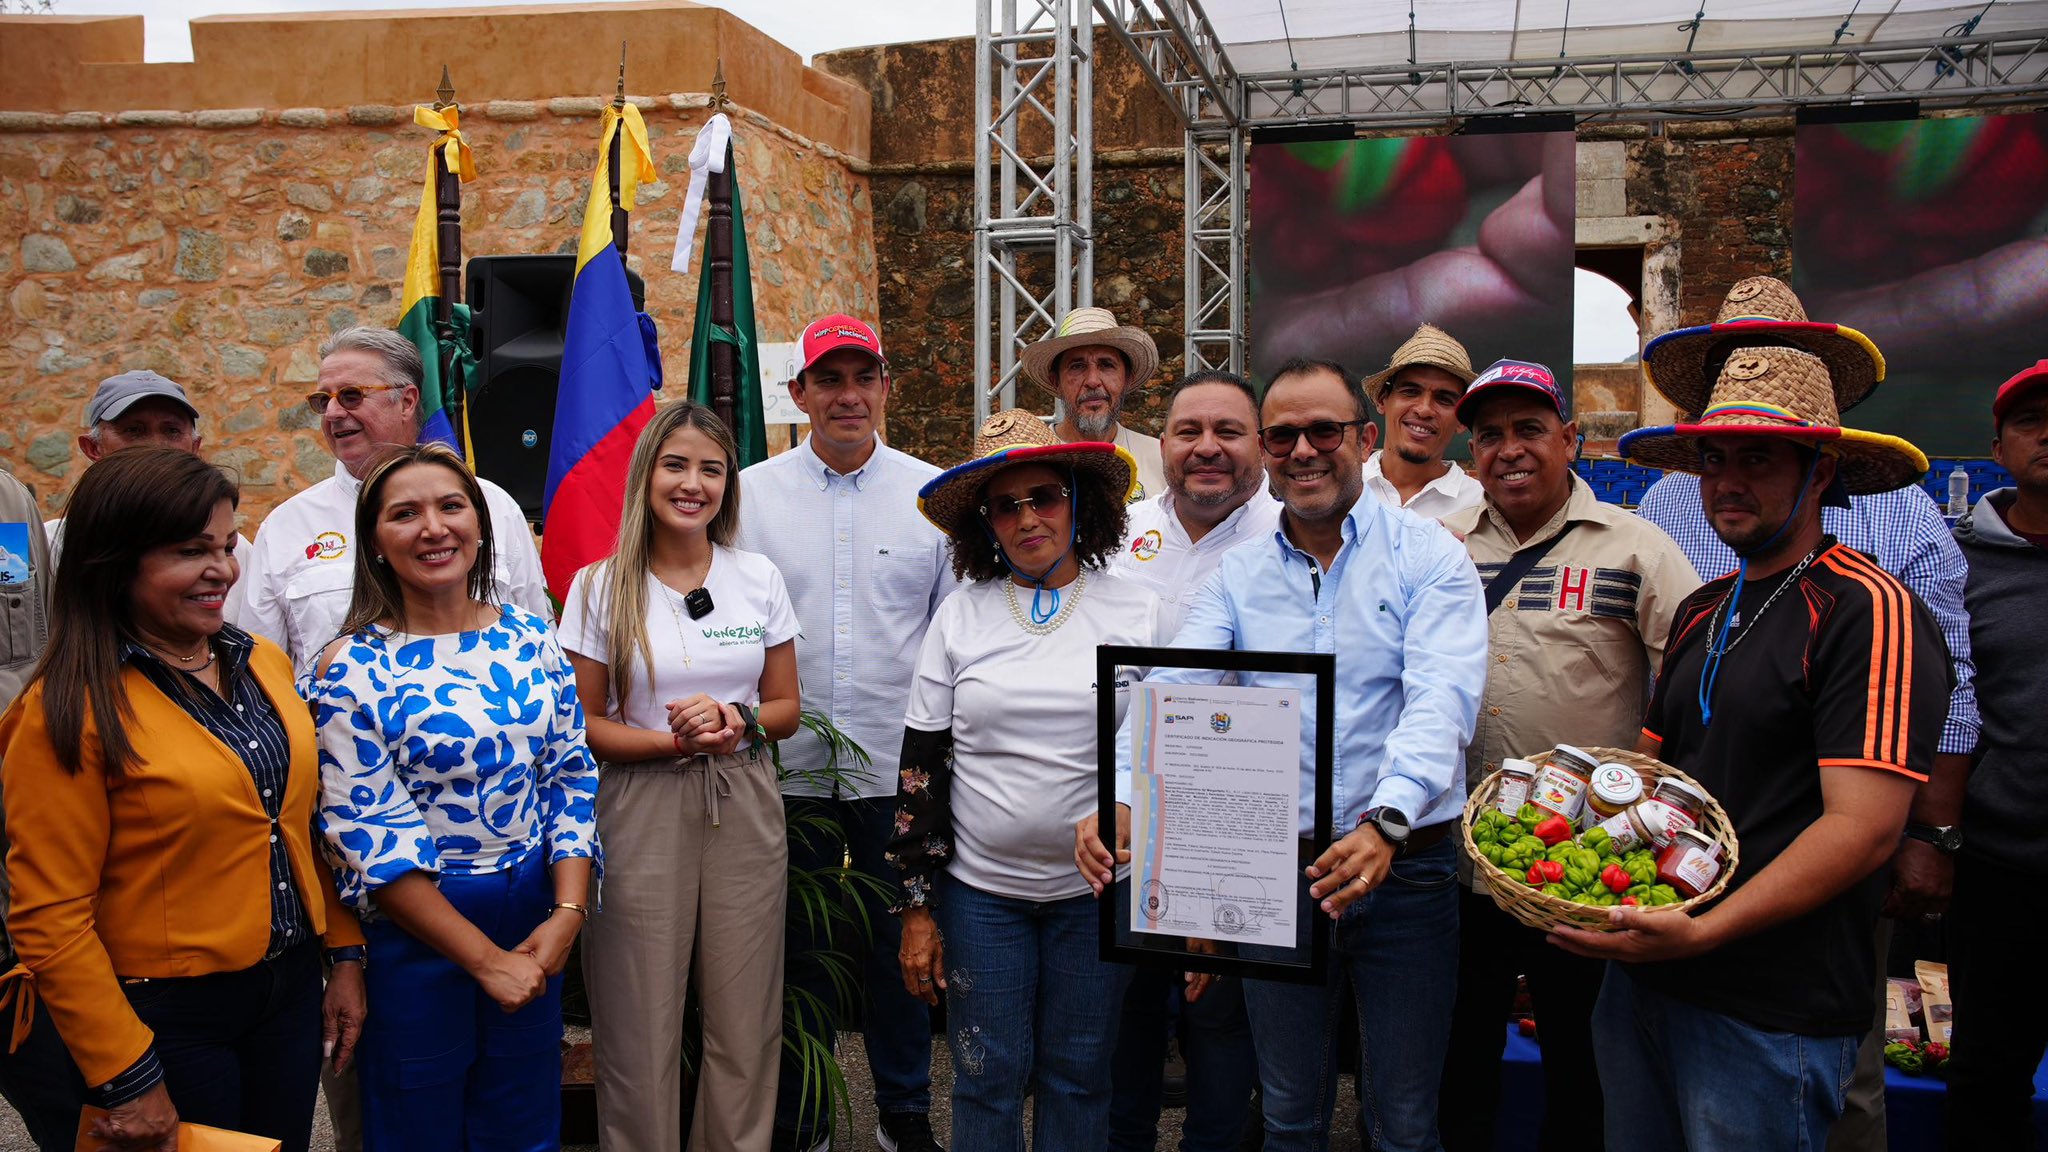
(610, 366)
(423, 286)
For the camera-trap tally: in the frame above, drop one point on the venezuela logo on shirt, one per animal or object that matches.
(1146, 545)
(736, 635)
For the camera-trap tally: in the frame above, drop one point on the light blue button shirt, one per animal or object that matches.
(1402, 610)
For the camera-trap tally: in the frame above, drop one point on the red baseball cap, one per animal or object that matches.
(831, 333)
(2009, 393)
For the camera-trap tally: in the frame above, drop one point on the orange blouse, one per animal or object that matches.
(163, 871)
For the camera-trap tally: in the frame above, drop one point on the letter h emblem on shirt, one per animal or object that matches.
(1572, 585)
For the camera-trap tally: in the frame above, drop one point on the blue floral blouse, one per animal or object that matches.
(453, 754)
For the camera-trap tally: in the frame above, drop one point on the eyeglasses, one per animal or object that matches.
(1001, 510)
(351, 397)
(1323, 436)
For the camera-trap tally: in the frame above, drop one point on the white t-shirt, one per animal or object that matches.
(720, 655)
(1022, 712)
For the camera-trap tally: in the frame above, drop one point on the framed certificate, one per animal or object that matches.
(1216, 881)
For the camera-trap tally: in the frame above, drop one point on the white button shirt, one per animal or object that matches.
(1158, 554)
(300, 573)
(865, 571)
(1450, 493)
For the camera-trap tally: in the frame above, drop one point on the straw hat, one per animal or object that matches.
(1760, 311)
(1781, 392)
(1084, 327)
(1018, 437)
(1430, 346)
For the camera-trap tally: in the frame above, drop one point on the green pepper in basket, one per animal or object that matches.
(1598, 840)
(1557, 890)
(1662, 894)
(1582, 868)
(1641, 866)
(1530, 815)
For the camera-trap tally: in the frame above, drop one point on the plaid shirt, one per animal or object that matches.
(1902, 530)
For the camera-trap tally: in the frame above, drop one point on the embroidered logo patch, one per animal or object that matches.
(1146, 545)
(327, 546)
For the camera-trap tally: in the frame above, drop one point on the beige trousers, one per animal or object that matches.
(695, 868)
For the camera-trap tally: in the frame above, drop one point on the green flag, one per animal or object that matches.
(751, 431)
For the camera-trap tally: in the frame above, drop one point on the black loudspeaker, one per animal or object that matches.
(519, 310)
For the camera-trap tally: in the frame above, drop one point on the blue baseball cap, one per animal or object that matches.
(117, 394)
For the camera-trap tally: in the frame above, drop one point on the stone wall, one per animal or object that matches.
(220, 246)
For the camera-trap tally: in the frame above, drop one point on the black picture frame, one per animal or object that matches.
(1123, 946)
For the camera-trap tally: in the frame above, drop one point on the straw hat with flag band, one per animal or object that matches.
(1085, 327)
(1759, 312)
(1018, 437)
(1429, 347)
(1781, 392)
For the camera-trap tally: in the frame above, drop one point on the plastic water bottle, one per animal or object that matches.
(1958, 492)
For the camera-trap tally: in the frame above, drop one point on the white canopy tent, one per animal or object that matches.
(1329, 34)
(1231, 66)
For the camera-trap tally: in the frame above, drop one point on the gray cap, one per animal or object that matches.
(116, 394)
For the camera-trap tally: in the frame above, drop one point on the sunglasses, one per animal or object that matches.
(351, 397)
(1002, 510)
(1323, 436)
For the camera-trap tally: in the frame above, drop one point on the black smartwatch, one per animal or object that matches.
(1392, 824)
(1946, 838)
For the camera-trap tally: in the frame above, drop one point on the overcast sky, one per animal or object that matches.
(807, 27)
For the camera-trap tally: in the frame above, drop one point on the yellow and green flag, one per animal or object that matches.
(444, 349)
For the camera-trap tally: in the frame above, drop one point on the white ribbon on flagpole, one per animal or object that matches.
(706, 157)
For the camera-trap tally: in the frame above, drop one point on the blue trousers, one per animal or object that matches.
(443, 1068)
(40, 1080)
(1396, 950)
(1030, 1006)
(1679, 1076)
(1216, 1043)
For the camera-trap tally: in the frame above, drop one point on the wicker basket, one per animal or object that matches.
(1533, 907)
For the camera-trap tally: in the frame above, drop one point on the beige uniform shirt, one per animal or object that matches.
(1575, 647)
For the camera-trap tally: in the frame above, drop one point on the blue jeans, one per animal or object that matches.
(1030, 1006)
(1216, 1042)
(895, 1025)
(1396, 950)
(443, 1068)
(1682, 1077)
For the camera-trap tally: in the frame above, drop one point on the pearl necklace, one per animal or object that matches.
(1067, 602)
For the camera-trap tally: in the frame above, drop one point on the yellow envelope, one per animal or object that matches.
(191, 1138)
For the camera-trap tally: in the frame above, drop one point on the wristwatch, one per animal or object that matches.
(1946, 838)
(1392, 824)
(345, 954)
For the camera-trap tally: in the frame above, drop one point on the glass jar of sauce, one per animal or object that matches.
(1691, 863)
(1562, 781)
(1673, 807)
(1627, 831)
(1515, 778)
(1615, 787)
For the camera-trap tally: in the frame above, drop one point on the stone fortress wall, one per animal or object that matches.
(215, 221)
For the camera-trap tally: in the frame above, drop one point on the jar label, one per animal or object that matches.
(1697, 868)
(1514, 792)
(1621, 832)
(1559, 791)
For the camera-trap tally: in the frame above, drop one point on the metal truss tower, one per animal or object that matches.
(1033, 181)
